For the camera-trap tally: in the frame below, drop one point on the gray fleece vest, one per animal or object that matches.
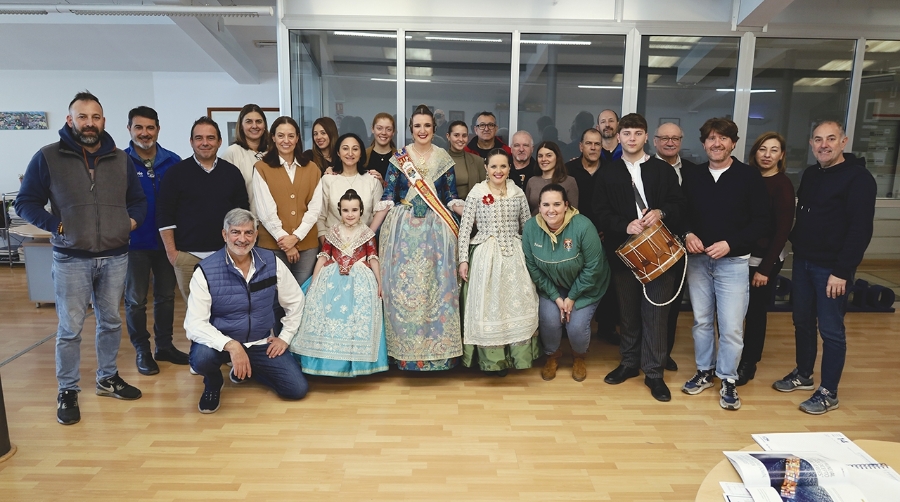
(93, 213)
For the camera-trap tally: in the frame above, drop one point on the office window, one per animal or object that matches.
(797, 82)
(878, 118)
(564, 83)
(460, 74)
(345, 75)
(687, 80)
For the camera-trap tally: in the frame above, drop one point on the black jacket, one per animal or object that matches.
(835, 213)
(734, 209)
(614, 202)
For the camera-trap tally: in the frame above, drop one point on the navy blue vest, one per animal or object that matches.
(241, 310)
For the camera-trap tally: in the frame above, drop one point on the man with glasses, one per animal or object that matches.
(667, 142)
(485, 138)
(524, 166)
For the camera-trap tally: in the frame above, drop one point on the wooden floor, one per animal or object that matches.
(451, 436)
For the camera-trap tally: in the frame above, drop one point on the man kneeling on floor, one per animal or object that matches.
(230, 314)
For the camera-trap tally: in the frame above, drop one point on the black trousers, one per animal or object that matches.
(643, 325)
(757, 313)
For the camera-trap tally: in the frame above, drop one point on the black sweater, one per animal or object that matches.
(835, 213)
(614, 202)
(734, 209)
(196, 203)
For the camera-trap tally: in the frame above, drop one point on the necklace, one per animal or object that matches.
(422, 157)
(500, 192)
(351, 179)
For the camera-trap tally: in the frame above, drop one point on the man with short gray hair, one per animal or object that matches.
(230, 315)
(524, 165)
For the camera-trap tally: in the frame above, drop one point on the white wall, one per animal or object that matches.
(179, 98)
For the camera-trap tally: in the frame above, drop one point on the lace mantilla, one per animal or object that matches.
(348, 240)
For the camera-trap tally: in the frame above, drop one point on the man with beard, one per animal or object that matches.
(96, 200)
(667, 142)
(608, 125)
(146, 253)
(485, 138)
(727, 211)
(835, 210)
(230, 315)
(524, 165)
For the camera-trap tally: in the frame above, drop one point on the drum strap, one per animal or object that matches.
(637, 197)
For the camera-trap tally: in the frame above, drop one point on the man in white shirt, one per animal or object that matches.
(229, 315)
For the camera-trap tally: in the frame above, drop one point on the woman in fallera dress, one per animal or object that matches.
(499, 301)
(342, 330)
(418, 252)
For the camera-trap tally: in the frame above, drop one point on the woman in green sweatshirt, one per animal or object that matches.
(566, 261)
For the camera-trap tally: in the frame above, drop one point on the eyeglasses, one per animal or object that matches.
(485, 126)
(668, 139)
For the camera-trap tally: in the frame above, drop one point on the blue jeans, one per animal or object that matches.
(811, 304)
(578, 328)
(78, 282)
(140, 264)
(720, 292)
(282, 374)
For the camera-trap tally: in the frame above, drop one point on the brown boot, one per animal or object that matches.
(548, 372)
(579, 370)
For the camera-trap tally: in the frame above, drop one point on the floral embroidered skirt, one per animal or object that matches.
(342, 330)
(420, 291)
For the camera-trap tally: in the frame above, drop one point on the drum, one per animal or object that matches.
(651, 252)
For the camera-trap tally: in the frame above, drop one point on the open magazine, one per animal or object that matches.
(771, 476)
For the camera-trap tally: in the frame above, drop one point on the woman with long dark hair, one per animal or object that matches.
(251, 141)
(469, 167)
(324, 135)
(553, 170)
(284, 182)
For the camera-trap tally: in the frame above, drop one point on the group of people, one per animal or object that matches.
(344, 258)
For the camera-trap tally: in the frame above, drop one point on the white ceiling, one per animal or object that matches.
(119, 43)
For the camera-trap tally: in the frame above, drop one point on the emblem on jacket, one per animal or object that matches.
(567, 243)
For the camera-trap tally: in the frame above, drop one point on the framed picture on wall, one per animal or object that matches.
(227, 119)
(455, 115)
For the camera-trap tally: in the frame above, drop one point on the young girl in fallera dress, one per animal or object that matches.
(342, 331)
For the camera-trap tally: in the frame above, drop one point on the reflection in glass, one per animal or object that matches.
(878, 118)
(565, 81)
(459, 75)
(687, 80)
(797, 82)
(347, 75)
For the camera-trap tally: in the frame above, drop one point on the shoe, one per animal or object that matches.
(730, 399)
(822, 401)
(658, 389)
(701, 381)
(671, 365)
(67, 412)
(115, 387)
(209, 400)
(746, 372)
(172, 355)
(610, 337)
(498, 373)
(548, 372)
(145, 364)
(579, 370)
(794, 381)
(193, 371)
(235, 379)
(620, 374)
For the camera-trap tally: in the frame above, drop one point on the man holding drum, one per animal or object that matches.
(727, 211)
(632, 194)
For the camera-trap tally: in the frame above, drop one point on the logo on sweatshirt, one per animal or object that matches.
(567, 243)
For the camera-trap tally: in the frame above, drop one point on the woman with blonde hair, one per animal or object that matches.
(379, 153)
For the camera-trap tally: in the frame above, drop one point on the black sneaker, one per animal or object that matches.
(209, 400)
(115, 387)
(67, 412)
(235, 379)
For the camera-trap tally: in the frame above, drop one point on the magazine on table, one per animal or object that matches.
(833, 445)
(771, 476)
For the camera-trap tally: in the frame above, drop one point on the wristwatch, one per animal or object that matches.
(662, 214)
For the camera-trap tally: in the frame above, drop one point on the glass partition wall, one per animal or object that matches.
(564, 80)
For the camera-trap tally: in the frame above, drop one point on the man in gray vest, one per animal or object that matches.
(96, 200)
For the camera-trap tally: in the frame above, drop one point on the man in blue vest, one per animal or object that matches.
(230, 315)
(95, 202)
(146, 253)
